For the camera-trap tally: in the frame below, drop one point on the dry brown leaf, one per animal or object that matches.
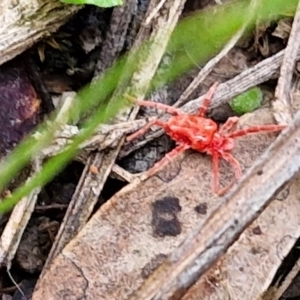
(249, 266)
(132, 234)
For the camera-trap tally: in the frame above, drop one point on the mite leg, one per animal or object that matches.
(144, 129)
(234, 163)
(169, 109)
(256, 129)
(229, 125)
(216, 177)
(169, 157)
(215, 173)
(237, 171)
(207, 99)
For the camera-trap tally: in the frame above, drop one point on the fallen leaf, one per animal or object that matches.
(136, 229)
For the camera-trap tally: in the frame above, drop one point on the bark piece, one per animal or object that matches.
(13, 231)
(23, 23)
(282, 105)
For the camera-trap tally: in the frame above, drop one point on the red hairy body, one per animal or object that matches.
(201, 134)
(197, 132)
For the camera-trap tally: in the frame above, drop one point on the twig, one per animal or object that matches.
(17, 223)
(154, 12)
(122, 174)
(105, 137)
(210, 240)
(283, 112)
(115, 37)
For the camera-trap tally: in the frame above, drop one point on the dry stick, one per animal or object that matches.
(282, 105)
(106, 136)
(209, 241)
(283, 111)
(122, 174)
(252, 77)
(18, 220)
(211, 64)
(111, 49)
(90, 185)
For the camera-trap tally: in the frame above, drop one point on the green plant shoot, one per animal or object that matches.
(100, 3)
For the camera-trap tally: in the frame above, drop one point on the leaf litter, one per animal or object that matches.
(222, 279)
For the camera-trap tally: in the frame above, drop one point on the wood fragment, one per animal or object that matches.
(250, 265)
(106, 136)
(122, 174)
(13, 231)
(115, 36)
(283, 111)
(20, 27)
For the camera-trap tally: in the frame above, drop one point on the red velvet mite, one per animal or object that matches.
(201, 134)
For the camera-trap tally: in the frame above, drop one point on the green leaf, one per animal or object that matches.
(101, 3)
(247, 102)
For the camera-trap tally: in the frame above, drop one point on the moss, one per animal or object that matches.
(247, 102)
